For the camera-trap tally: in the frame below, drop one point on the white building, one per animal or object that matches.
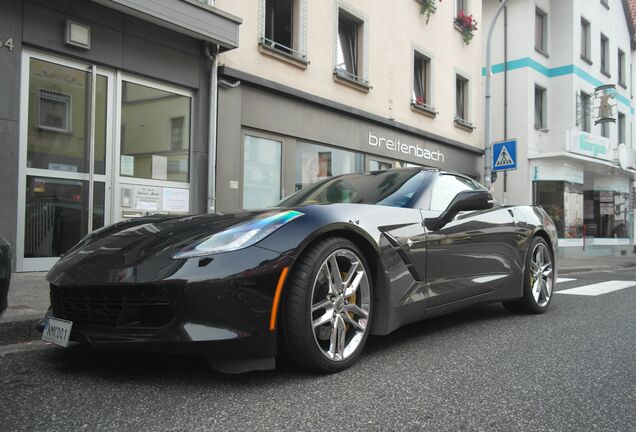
(330, 87)
(549, 59)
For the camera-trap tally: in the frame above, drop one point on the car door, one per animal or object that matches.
(474, 253)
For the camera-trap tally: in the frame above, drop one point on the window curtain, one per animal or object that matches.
(347, 40)
(538, 108)
(418, 80)
(460, 98)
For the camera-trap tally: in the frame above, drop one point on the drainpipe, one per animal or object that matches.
(211, 52)
(487, 102)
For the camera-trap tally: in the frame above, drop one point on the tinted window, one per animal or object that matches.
(389, 188)
(446, 188)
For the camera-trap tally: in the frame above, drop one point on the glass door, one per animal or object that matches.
(65, 160)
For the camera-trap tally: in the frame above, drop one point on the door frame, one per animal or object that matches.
(42, 264)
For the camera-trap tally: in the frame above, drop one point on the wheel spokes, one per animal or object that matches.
(536, 290)
(334, 272)
(352, 307)
(337, 339)
(353, 287)
(358, 325)
(323, 319)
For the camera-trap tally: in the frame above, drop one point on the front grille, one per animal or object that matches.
(137, 306)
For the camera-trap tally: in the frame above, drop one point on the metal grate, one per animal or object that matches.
(112, 306)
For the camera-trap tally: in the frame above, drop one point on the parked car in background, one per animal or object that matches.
(5, 273)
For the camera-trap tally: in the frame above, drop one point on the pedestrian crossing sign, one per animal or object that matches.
(504, 155)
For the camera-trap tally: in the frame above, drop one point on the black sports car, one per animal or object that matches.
(349, 256)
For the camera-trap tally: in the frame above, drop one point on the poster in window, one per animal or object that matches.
(607, 208)
(159, 167)
(324, 160)
(309, 169)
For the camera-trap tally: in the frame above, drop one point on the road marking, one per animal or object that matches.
(599, 288)
(562, 280)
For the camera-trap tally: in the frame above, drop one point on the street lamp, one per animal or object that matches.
(488, 107)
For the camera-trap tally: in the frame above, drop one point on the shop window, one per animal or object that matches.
(550, 196)
(351, 48)
(584, 114)
(539, 107)
(262, 172)
(421, 80)
(605, 130)
(155, 139)
(176, 133)
(541, 31)
(621, 128)
(621, 69)
(283, 27)
(316, 162)
(605, 68)
(461, 98)
(606, 214)
(585, 41)
(54, 111)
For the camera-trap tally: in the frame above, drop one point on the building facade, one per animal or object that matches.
(324, 88)
(565, 94)
(104, 115)
(112, 109)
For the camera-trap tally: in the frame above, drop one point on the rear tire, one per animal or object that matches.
(538, 280)
(328, 307)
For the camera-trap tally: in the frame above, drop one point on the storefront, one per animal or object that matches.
(274, 140)
(110, 109)
(588, 193)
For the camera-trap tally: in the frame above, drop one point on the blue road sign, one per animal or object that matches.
(504, 155)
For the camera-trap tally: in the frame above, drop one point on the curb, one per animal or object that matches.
(23, 330)
(570, 270)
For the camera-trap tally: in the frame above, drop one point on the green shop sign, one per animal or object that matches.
(589, 145)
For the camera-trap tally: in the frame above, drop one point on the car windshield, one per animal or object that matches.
(394, 188)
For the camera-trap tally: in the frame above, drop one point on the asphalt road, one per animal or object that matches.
(571, 369)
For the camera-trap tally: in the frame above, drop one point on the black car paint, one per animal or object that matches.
(222, 303)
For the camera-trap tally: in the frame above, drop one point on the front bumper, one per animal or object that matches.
(219, 310)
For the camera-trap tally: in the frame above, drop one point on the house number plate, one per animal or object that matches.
(6, 43)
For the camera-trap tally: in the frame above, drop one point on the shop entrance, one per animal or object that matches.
(96, 147)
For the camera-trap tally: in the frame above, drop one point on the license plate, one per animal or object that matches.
(57, 331)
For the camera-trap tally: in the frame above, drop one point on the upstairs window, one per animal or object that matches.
(605, 130)
(621, 68)
(621, 128)
(539, 107)
(54, 111)
(350, 48)
(421, 80)
(585, 107)
(282, 28)
(605, 69)
(541, 31)
(461, 96)
(585, 41)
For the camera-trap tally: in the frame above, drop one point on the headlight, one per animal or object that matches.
(239, 236)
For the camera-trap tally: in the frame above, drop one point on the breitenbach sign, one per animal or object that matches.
(407, 149)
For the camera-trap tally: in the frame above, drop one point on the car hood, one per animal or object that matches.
(151, 241)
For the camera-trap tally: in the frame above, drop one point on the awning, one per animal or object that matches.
(189, 17)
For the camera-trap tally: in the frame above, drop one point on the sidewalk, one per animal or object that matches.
(29, 295)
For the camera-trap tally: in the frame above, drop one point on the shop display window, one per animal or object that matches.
(316, 162)
(607, 214)
(155, 134)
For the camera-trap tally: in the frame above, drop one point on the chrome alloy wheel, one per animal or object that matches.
(541, 274)
(340, 305)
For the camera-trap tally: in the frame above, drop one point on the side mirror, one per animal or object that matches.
(463, 201)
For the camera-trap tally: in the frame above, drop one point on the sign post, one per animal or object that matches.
(504, 158)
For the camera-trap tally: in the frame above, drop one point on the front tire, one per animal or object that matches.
(538, 280)
(328, 307)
